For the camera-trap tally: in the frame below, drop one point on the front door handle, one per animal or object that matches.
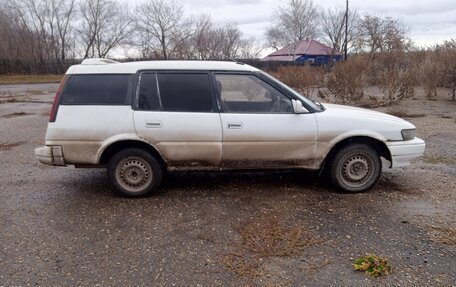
(235, 125)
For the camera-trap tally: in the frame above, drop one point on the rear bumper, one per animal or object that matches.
(50, 155)
(404, 152)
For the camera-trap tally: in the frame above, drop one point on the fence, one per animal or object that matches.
(269, 65)
(59, 67)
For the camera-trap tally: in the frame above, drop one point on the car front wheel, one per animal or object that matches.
(134, 173)
(355, 168)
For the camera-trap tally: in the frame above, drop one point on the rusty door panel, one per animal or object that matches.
(186, 140)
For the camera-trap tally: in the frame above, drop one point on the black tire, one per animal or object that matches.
(134, 172)
(355, 168)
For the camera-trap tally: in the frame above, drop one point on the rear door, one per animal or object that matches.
(176, 112)
(260, 128)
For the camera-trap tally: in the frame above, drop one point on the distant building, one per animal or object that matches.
(306, 51)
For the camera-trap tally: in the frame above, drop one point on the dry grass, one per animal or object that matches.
(13, 99)
(35, 92)
(437, 159)
(21, 97)
(403, 113)
(29, 79)
(264, 237)
(17, 114)
(444, 235)
(7, 146)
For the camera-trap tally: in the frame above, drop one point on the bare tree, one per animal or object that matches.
(12, 44)
(381, 34)
(332, 24)
(275, 38)
(200, 42)
(35, 17)
(221, 42)
(161, 27)
(105, 25)
(47, 22)
(385, 41)
(250, 49)
(164, 32)
(230, 40)
(447, 53)
(295, 21)
(63, 12)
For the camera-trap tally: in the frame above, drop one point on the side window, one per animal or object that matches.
(96, 89)
(249, 94)
(148, 99)
(185, 92)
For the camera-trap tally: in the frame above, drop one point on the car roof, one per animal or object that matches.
(106, 66)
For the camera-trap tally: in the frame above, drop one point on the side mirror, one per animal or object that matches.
(298, 107)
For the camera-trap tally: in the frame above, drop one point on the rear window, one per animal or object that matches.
(96, 90)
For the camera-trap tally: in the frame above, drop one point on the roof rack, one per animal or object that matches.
(98, 61)
(233, 60)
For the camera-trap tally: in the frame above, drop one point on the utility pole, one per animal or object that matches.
(346, 32)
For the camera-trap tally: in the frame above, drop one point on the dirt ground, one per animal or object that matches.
(64, 227)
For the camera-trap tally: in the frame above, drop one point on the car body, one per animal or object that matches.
(212, 115)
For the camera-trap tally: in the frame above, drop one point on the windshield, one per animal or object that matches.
(307, 101)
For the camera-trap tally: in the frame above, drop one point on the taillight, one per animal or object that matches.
(55, 105)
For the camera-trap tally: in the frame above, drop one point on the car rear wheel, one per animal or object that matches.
(134, 173)
(355, 168)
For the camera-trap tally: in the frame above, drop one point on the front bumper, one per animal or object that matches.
(50, 155)
(404, 152)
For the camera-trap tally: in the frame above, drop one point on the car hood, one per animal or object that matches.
(337, 119)
(362, 113)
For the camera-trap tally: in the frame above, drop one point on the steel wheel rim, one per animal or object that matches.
(357, 170)
(134, 174)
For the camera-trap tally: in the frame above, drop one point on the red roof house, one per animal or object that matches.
(306, 51)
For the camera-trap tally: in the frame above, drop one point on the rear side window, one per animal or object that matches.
(185, 92)
(148, 99)
(96, 90)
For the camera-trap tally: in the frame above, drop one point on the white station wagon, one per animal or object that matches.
(141, 119)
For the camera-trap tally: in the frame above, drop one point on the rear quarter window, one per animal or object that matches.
(96, 90)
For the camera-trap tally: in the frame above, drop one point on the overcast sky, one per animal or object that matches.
(431, 21)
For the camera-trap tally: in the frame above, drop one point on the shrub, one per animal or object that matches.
(430, 74)
(448, 56)
(396, 84)
(348, 80)
(304, 79)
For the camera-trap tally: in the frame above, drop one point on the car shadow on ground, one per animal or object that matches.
(95, 182)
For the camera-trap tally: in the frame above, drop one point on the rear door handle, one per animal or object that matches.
(235, 125)
(154, 124)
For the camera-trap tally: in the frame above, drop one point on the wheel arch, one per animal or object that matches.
(377, 144)
(117, 146)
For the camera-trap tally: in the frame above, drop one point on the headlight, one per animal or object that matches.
(408, 134)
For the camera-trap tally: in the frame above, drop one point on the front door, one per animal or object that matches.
(260, 128)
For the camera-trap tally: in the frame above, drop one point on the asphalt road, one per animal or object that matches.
(61, 226)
